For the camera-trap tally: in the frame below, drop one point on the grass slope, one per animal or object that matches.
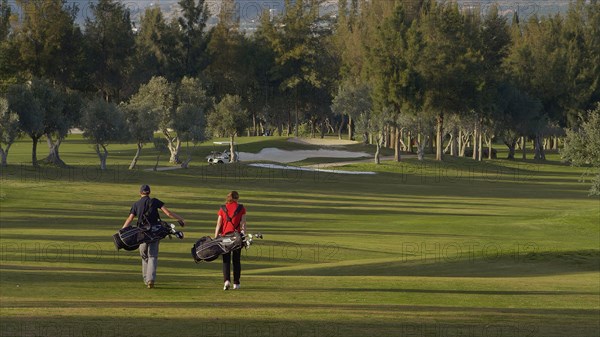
(457, 248)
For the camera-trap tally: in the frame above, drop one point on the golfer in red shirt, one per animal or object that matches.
(231, 218)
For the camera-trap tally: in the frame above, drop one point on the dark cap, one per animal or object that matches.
(144, 189)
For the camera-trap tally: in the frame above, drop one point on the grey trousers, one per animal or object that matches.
(149, 254)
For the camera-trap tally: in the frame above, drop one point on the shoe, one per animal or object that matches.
(227, 285)
(236, 286)
(150, 284)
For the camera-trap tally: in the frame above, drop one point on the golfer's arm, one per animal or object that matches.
(218, 228)
(170, 214)
(243, 223)
(128, 221)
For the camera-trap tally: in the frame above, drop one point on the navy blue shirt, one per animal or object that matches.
(139, 208)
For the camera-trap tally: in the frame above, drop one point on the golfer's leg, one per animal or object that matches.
(144, 254)
(152, 261)
(226, 266)
(237, 265)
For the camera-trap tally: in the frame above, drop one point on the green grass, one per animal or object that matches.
(457, 248)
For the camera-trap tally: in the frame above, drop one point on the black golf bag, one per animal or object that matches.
(130, 238)
(207, 249)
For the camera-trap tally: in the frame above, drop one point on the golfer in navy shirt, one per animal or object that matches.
(146, 210)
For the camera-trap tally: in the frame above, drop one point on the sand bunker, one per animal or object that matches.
(322, 141)
(295, 168)
(284, 156)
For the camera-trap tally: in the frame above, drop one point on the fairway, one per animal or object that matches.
(458, 248)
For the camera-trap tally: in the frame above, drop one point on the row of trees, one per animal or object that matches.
(178, 110)
(410, 75)
(443, 75)
(115, 85)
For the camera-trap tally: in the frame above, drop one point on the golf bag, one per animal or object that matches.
(130, 238)
(207, 249)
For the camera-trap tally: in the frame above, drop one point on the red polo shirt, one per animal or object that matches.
(227, 226)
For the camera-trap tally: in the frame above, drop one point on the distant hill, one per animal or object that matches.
(251, 9)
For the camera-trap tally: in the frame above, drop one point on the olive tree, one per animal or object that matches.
(103, 123)
(229, 118)
(9, 129)
(582, 145)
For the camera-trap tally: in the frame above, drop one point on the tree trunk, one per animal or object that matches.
(431, 139)
(102, 156)
(187, 161)
(350, 126)
(475, 131)
(511, 143)
(254, 125)
(480, 146)
(297, 114)
(385, 137)
(379, 142)
(409, 142)
(156, 164)
(174, 147)
(461, 150)
(402, 145)
(328, 126)
(454, 147)
(524, 147)
(137, 156)
(438, 139)
(233, 156)
(34, 160)
(289, 124)
(490, 146)
(539, 148)
(401, 141)
(396, 144)
(462, 143)
(322, 131)
(341, 126)
(53, 155)
(448, 147)
(421, 145)
(4, 154)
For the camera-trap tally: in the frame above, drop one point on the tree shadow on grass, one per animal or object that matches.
(289, 322)
(432, 265)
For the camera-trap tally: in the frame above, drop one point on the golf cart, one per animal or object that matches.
(216, 157)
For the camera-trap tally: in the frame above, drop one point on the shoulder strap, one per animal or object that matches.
(147, 210)
(230, 218)
(148, 207)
